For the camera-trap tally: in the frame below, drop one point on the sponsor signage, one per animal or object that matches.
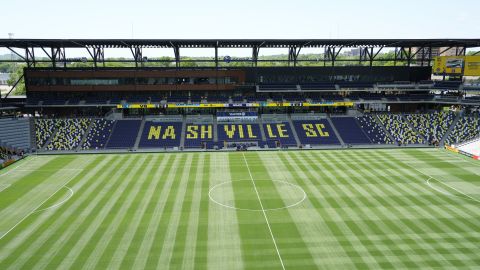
(235, 105)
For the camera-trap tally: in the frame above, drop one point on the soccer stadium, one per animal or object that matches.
(333, 154)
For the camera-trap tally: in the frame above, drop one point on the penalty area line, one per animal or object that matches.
(449, 194)
(58, 204)
(441, 182)
(36, 208)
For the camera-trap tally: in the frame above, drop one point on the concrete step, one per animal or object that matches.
(380, 124)
(410, 125)
(335, 131)
(294, 131)
(139, 135)
(450, 129)
(84, 138)
(182, 134)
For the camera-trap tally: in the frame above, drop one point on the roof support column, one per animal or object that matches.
(30, 57)
(255, 52)
(176, 52)
(137, 55)
(293, 53)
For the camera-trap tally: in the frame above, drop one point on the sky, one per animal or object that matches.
(204, 19)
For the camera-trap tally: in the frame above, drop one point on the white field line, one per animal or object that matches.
(36, 208)
(439, 190)
(258, 210)
(58, 204)
(441, 182)
(263, 211)
(51, 170)
(4, 186)
(461, 157)
(14, 169)
(449, 194)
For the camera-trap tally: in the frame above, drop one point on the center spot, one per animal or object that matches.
(241, 195)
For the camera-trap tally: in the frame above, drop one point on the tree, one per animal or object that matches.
(16, 74)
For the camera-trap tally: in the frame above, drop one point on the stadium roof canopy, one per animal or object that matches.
(236, 43)
(55, 49)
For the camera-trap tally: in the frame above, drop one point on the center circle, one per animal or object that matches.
(292, 195)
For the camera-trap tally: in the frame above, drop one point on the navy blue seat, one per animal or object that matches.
(350, 131)
(279, 132)
(98, 135)
(161, 134)
(315, 132)
(124, 134)
(239, 132)
(198, 136)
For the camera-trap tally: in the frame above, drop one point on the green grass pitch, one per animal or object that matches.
(335, 209)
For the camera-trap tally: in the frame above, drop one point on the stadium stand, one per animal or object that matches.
(350, 131)
(398, 127)
(69, 134)
(44, 129)
(373, 130)
(198, 136)
(124, 134)
(98, 135)
(432, 126)
(161, 134)
(239, 132)
(16, 132)
(279, 134)
(466, 128)
(315, 132)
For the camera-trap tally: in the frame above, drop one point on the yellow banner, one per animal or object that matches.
(137, 106)
(226, 105)
(472, 65)
(458, 65)
(324, 104)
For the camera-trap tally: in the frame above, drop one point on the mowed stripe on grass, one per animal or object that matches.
(364, 209)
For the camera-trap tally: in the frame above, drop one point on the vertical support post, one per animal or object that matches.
(255, 52)
(371, 56)
(409, 56)
(216, 56)
(395, 57)
(53, 56)
(176, 51)
(30, 56)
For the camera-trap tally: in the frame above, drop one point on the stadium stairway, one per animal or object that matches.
(413, 128)
(215, 133)
(363, 131)
(44, 146)
(139, 135)
(110, 135)
(336, 131)
(85, 135)
(33, 138)
(294, 132)
(262, 131)
(380, 124)
(450, 129)
(182, 136)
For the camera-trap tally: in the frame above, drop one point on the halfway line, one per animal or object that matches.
(263, 211)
